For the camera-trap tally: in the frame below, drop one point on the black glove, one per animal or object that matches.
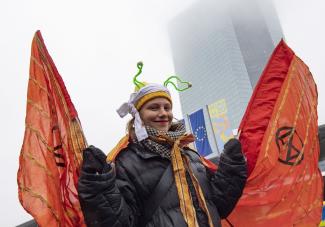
(232, 150)
(94, 160)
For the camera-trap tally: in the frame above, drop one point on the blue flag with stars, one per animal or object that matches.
(200, 133)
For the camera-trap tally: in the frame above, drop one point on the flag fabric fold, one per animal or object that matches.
(51, 153)
(279, 136)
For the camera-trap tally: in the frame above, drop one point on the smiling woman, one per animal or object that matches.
(157, 113)
(156, 179)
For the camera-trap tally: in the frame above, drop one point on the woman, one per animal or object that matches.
(157, 180)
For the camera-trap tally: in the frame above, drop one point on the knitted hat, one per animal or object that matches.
(142, 94)
(155, 94)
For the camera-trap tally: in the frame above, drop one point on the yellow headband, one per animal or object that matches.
(150, 96)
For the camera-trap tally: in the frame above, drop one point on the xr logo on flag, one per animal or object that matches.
(289, 145)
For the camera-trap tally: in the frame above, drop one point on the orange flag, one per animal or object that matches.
(279, 136)
(52, 148)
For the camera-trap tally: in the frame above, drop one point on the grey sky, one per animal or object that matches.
(95, 47)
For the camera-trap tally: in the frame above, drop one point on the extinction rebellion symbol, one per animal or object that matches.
(289, 145)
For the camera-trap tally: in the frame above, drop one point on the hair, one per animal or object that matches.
(130, 129)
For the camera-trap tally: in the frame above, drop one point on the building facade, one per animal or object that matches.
(221, 47)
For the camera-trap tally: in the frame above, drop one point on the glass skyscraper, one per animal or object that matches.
(221, 47)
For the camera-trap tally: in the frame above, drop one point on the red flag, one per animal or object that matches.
(279, 136)
(52, 148)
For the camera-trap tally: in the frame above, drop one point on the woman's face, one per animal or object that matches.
(157, 113)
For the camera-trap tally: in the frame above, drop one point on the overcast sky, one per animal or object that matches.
(95, 45)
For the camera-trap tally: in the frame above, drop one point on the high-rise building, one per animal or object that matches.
(221, 47)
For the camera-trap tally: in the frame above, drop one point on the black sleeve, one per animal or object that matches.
(229, 180)
(108, 199)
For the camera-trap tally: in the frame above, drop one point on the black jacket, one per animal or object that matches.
(116, 198)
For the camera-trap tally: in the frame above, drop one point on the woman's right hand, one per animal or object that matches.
(94, 161)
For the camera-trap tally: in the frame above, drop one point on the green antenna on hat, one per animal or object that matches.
(137, 83)
(184, 84)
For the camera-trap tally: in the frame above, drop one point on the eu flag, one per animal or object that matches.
(200, 133)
